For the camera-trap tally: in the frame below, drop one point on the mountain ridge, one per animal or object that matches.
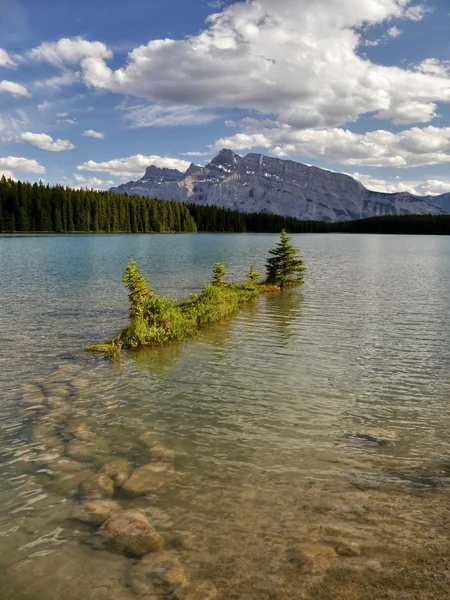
(260, 183)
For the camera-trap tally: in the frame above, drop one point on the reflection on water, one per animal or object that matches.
(310, 432)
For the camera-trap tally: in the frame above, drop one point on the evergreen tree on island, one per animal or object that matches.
(284, 266)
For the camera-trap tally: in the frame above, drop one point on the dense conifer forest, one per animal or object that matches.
(26, 207)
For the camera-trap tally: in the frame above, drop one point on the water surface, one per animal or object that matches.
(314, 419)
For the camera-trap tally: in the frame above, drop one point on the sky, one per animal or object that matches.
(93, 92)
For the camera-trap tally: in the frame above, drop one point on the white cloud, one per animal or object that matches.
(23, 165)
(92, 182)
(11, 87)
(6, 60)
(7, 173)
(417, 12)
(196, 153)
(59, 81)
(69, 50)
(44, 142)
(409, 148)
(253, 55)
(393, 32)
(430, 187)
(93, 134)
(133, 165)
(167, 116)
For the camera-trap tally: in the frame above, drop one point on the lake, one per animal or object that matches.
(310, 431)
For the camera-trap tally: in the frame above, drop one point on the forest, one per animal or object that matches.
(35, 207)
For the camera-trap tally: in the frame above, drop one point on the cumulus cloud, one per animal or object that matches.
(11, 87)
(69, 50)
(93, 134)
(6, 60)
(410, 148)
(133, 165)
(44, 142)
(23, 165)
(254, 55)
(167, 116)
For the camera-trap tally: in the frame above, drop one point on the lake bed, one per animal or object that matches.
(310, 431)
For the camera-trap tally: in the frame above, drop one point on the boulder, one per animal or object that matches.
(147, 479)
(65, 465)
(96, 487)
(160, 452)
(204, 590)
(159, 573)
(96, 512)
(118, 470)
(130, 533)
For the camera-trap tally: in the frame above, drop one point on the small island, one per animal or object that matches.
(156, 320)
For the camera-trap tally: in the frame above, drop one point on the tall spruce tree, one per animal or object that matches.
(284, 266)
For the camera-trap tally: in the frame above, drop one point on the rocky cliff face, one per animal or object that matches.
(258, 183)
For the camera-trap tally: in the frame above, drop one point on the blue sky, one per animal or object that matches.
(93, 92)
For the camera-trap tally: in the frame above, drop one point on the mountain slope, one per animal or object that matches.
(258, 183)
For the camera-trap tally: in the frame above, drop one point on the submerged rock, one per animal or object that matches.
(80, 451)
(379, 436)
(96, 512)
(159, 573)
(82, 432)
(310, 557)
(118, 470)
(96, 487)
(130, 533)
(348, 549)
(147, 479)
(65, 465)
(68, 483)
(56, 403)
(56, 390)
(149, 438)
(204, 590)
(160, 452)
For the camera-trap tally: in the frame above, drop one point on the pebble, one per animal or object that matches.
(310, 557)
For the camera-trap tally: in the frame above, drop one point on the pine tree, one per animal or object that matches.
(139, 291)
(252, 278)
(284, 267)
(219, 273)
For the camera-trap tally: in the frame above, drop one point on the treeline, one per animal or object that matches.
(26, 207)
(401, 224)
(35, 207)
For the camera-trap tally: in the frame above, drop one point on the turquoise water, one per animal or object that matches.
(317, 417)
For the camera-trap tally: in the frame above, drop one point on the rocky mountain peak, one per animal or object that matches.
(259, 183)
(227, 161)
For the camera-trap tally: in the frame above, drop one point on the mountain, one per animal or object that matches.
(258, 183)
(442, 201)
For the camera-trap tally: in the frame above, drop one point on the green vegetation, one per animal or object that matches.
(26, 207)
(284, 266)
(158, 320)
